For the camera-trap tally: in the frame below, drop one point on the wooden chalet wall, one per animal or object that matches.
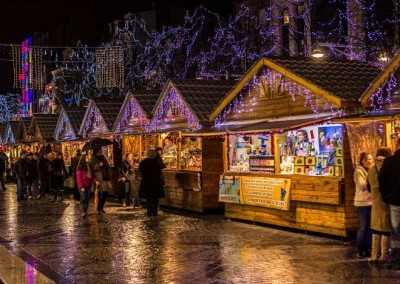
(179, 184)
(321, 204)
(277, 104)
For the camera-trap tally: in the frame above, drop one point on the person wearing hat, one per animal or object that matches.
(151, 186)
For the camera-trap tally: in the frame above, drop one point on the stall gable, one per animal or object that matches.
(384, 85)
(24, 127)
(271, 94)
(64, 130)
(94, 122)
(173, 111)
(270, 90)
(9, 138)
(131, 117)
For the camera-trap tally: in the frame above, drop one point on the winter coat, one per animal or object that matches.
(362, 196)
(389, 179)
(152, 185)
(20, 168)
(379, 212)
(32, 169)
(44, 166)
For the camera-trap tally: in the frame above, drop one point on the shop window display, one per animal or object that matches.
(250, 153)
(313, 150)
(191, 153)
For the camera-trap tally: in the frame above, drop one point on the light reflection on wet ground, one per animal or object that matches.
(125, 246)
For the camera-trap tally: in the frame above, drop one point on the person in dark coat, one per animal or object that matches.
(389, 187)
(3, 167)
(59, 175)
(74, 164)
(20, 171)
(102, 176)
(151, 187)
(32, 177)
(44, 168)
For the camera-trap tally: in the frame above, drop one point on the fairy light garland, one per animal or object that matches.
(173, 106)
(131, 112)
(64, 130)
(94, 118)
(270, 79)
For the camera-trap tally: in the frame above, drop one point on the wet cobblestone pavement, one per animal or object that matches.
(125, 246)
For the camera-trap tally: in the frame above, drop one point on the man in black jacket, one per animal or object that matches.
(389, 187)
(3, 167)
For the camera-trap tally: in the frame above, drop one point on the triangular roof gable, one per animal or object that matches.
(171, 100)
(3, 128)
(314, 85)
(109, 109)
(43, 126)
(93, 122)
(12, 130)
(381, 79)
(64, 130)
(24, 128)
(127, 116)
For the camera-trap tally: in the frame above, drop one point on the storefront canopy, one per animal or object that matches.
(262, 126)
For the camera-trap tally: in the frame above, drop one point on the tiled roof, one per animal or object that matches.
(109, 110)
(75, 116)
(345, 79)
(3, 127)
(14, 125)
(203, 96)
(46, 123)
(147, 100)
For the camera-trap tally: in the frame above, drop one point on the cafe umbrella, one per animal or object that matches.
(96, 143)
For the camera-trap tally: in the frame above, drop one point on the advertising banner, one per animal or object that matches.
(266, 192)
(229, 189)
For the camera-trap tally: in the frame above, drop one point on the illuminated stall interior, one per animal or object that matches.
(288, 158)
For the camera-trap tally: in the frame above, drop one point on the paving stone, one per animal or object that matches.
(126, 246)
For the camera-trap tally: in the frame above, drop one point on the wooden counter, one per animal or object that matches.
(196, 190)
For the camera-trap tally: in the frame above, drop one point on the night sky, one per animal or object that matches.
(19, 19)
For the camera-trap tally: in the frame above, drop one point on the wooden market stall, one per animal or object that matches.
(193, 164)
(98, 121)
(287, 162)
(68, 132)
(41, 131)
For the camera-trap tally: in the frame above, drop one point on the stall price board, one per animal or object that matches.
(266, 192)
(262, 163)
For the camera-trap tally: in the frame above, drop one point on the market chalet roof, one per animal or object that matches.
(13, 129)
(45, 124)
(75, 116)
(337, 81)
(146, 100)
(201, 96)
(25, 124)
(108, 109)
(3, 127)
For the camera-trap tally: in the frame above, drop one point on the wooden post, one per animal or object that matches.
(276, 153)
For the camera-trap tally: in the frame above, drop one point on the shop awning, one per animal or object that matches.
(264, 126)
(368, 116)
(272, 126)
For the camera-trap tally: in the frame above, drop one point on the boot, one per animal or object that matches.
(385, 244)
(376, 243)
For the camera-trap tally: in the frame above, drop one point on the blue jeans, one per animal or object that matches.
(394, 218)
(21, 187)
(364, 233)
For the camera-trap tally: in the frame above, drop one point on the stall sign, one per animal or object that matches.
(229, 189)
(266, 192)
